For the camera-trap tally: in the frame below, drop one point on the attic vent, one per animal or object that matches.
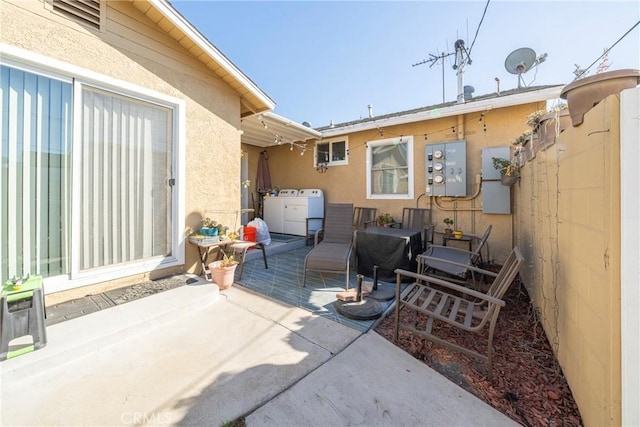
(86, 11)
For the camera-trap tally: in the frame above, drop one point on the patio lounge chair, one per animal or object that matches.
(333, 253)
(455, 305)
(453, 261)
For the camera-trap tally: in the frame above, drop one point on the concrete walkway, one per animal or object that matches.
(192, 356)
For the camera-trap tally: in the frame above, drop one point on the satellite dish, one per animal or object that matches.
(520, 61)
(307, 124)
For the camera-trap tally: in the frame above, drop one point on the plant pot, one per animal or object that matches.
(222, 276)
(582, 95)
(209, 231)
(551, 125)
(508, 180)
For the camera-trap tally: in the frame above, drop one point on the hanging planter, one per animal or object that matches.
(509, 171)
(508, 180)
(551, 125)
(584, 94)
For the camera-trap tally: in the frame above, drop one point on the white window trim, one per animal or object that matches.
(331, 142)
(35, 63)
(411, 168)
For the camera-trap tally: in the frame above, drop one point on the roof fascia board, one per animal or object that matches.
(454, 110)
(312, 133)
(190, 31)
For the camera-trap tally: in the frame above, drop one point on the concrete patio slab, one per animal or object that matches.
(194, 356)
(373, 382)
(183, 356)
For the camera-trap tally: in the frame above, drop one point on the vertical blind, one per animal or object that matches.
(126, 165)
(35, 177)
(123, 159)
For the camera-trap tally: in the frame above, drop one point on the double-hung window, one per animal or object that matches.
(86, 180)
(390, 168)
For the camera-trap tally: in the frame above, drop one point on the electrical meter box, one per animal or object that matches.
(446, 169)
(496, 198)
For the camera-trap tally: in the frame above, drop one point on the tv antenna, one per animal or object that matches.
(462, 58)
(433, 59)
(522, 60)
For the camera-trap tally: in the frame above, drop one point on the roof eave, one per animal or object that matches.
(454, 110)
(254, 99)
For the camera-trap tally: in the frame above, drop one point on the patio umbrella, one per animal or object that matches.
(263, 180)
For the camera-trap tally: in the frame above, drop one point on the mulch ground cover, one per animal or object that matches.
(528, 384)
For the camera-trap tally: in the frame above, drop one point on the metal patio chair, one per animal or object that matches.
(453, 261)
(418, 219)
(447, 303)
(364, 217)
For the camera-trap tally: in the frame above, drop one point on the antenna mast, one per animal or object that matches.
(462, 58)
(433, 59)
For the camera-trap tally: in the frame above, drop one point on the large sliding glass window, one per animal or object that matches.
(126, 167)
(111, 207)
(36, 171)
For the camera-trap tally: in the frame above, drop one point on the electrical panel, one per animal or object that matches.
(496, 198)
(446, 169)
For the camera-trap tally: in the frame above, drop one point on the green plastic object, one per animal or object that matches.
(22, 314)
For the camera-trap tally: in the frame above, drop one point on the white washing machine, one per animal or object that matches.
(273, 209)
(309, 203)
(287, 212)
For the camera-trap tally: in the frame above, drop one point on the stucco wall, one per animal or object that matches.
(133, 49)
(347, 184)
(567, 223)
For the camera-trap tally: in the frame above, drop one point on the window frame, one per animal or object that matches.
(331, 143)
(408, 140)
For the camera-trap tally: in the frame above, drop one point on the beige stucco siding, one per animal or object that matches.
(347, 184)
(132, 49)
(567, 222)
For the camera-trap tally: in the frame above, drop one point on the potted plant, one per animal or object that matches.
(448, 226)
(385, 219)
(209, 227)
(509, 172)
(223, 271)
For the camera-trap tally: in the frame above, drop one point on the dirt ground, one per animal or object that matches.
(528, 384)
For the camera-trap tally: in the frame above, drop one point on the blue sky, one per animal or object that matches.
(327, 61)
